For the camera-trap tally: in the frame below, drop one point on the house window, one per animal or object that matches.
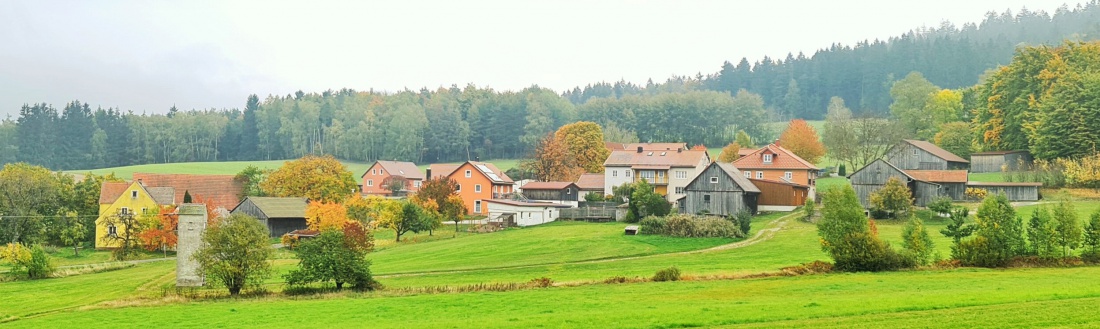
(679, 190)
(614, 173)
(767, 158)
(477, 206)
(628, 173)
(124, 211)
(706, 198)
(748, 174)
(568, 191)
(915, 153)
(469, 174)
(759, 175)
(416, 184)
(133, 194)
(112, 230)
(458, 187)
(660, 174)
(714, 180)
(788, 175)
(477, 188)
(681, 174)
(143, 210)
(370, 182)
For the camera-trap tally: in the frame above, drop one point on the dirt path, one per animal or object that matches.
(761, 235)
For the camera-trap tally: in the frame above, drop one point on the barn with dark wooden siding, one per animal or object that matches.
(998, 161)
(721, 190)
(280, 215)
(1017, 191)
(921, 155)
(556, 192)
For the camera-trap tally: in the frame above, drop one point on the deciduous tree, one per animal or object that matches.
(337, 255)
(910, 96)
(584, 140)
(894, 198)
(235, 253)
(1068, 231)
(729, 153)
(802, 139)
(552, 162)
(160, 229)
(318, 178)
(323, 215)
(955, 137)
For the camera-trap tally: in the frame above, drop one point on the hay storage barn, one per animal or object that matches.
(997, 161)
(280, 215)
(925, 185)
(921, 155)
(779, 193)
(1014, 191)
(720, 189)
(555, 192)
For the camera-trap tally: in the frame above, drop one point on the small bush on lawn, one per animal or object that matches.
(33, 262)
(808, 210)
(668, 274)
(814, 267)
(744, 222)
(542, 282)
(942, 206)
(690, 226)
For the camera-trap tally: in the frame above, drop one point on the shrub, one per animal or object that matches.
(843, 171)
(999, 235)
(918, 245)
(744, 222)
(594, 197)
(652, 225)
(808, 210)
(289, 241)
(40, 266)
(847, 235)
(689, 226)
(957, 229)
(33, 262)
(335, 255)
(942, 206)
(894, 198)
(814, 267)
(1092, 239)
(542, 282)
(668, 274)
(973, 193)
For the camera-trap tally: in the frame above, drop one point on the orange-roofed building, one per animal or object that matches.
(375, 178)
(773, 162)
(224, 191)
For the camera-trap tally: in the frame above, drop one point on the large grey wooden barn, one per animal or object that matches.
(925, 185)
(721, 190)
(559, 192)
(280, 215)
(921, 155)
(1018, 191)
(998, 161)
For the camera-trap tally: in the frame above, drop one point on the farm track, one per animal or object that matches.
(761, 235)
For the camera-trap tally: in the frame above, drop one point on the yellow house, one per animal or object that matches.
(116, 198)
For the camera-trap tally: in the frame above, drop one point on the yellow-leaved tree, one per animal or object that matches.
(318, 178)
(729, 153)
(584, 140)
(802, 139)
(322, 216)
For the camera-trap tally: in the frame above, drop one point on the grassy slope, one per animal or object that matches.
(835, 300)
(22, 298)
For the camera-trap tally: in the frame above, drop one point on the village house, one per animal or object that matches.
(121, 199)
(719, 189)
(281, 215)
(775, 163)
(998, 161)
(377, 178)
(566, 193)
(668, 170)
(921, 155)
(477, 182)
(222, 191)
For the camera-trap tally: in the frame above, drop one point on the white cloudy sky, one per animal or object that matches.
(146, 56)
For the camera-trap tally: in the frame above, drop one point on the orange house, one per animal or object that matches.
(776, 163)
(477, 182)
(375, 178)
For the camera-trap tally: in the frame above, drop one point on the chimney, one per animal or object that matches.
(639, 149)
(140, 182)
(428, 173)
(679, 149)
(777, 143)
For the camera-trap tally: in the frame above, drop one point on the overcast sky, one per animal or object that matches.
(146, 56)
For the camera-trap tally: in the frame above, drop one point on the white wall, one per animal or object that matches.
(525, 215)
(615, 176)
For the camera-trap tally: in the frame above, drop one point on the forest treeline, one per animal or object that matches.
(456, 124)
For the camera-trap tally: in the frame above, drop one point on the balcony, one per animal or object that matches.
(653, 180)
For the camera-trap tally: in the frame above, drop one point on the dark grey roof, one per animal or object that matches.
(280, 207)
(738, 178)
(162, 195)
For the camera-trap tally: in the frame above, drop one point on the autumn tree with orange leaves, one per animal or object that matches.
(802, 139)
(318, 178)
(552, 162)
(160, 230)
(584, 140)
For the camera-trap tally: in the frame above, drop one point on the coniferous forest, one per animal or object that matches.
(468, 122)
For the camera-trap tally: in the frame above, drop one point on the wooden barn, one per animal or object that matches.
(925, 185)
(998, 161)
(280, 215)
(720, 189)
(921, 155)
(779, 193)
(1014, 191)
(556, 192)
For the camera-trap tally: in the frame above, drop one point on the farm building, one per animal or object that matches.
(926, 185)
(998, 161)
(1014, 191)
(720, 189)
(780, 193)
(591, 183)
(519, 213)
(555, 192)
(280, 215)
(223, 191)
(921, 155)
(385, 176)
(773, 162)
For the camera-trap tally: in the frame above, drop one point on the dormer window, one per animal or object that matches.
(767, 158)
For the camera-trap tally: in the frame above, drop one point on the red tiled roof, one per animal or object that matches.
(782, 159)
(400, 168)
(655, 146)
(936, 150)
(590, 182)
(221, 190)
(546, 185)
(745, 151)
(442, 169)
(614, 146)
(527, 204)
(938, 176)
(110, 191)
(671, 158)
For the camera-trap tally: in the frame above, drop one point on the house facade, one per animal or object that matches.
(921, 155)
(118, 199)
(381, 172)
(521, 213)
(773, 162)
(719, 189)
(669, 171)
(477, 182)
